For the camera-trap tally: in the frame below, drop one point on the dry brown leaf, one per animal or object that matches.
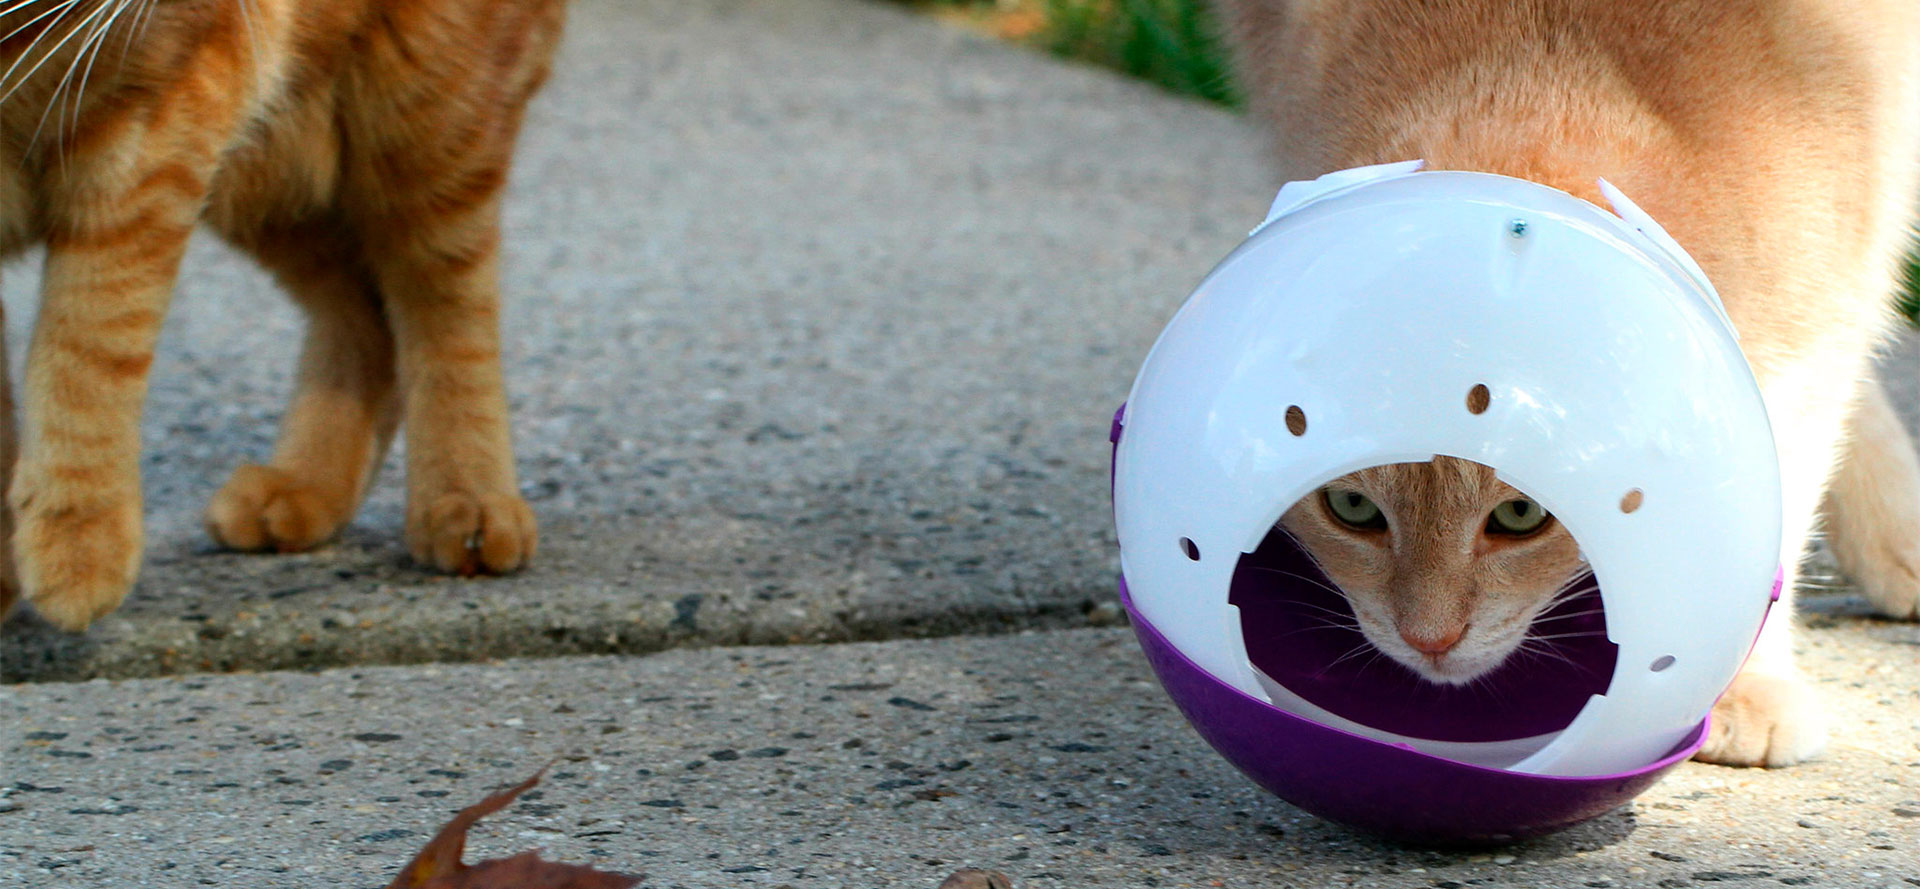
(971, 878)
(438, 866)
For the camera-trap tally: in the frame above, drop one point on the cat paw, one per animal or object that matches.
(1896, 595)
(468, 534)
(1887, 570)
(262, 508)
(9, 576)
(76, 563)
(1765, 720)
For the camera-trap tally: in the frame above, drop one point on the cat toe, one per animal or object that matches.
(1890, 579)
(77, 564)
(1764, 720)
(468, 534)
(1882, 558)
(1899, 600)
(262, 508)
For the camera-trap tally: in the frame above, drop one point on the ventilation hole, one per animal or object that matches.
(1478, 398)
(1296, 420)
(1190, 548)
(1632, 501)
(1661, 663)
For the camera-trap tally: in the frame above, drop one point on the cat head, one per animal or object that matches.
(1445, 565)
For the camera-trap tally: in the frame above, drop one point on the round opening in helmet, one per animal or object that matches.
(1426, 604)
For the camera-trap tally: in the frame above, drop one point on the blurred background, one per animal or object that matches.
(1168, 42)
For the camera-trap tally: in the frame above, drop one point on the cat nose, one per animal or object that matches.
(1433, 644)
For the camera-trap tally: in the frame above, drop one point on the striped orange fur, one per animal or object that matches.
(357, 149)
(1776, 140)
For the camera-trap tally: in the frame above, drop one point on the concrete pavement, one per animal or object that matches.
(1050, 756)
(818, 314)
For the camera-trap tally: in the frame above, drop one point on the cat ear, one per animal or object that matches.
(1629, 211)
(1295, 195)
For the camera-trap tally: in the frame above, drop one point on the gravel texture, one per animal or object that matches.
(1050, 756)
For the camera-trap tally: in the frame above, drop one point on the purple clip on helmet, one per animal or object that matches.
(1387, 315)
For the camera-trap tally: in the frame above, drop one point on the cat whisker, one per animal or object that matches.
(1567, 592)
(1353, 652)
(88, 51)
(105, 28)
(1577, 583)
(59, 13)
(146, 18)
(1543, 646)
(87, 26)
(52, 51)
(1322, 628)
(7, 9)
(1335, 612)
(1483, 685)
(21, 5)
(1571, 589)
(1374, 657)
(1557, 637)
(1547, 652)
(1836, 586)
(60, 10)
(1335, 618)
(1546, 620)
(1322, 623)
(139, 9)
(1297, 575)
(142, 16)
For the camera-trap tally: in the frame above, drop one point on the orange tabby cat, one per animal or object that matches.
(1776, 139)
(1445, 565)
(358, 149)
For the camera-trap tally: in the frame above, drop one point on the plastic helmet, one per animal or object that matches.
(1387, 315)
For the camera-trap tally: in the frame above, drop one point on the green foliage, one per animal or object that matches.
(1170, 42)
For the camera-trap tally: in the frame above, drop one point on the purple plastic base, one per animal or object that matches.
(1384, 789)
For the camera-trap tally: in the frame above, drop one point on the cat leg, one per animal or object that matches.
(1873, 506)
(9, 577)
(1769, 716)
(75, 493)
(343, 412)
(439, 274)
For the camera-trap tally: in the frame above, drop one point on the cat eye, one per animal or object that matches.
(1354, 510)
(1517, 517)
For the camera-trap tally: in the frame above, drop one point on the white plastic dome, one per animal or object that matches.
(1366, 309)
